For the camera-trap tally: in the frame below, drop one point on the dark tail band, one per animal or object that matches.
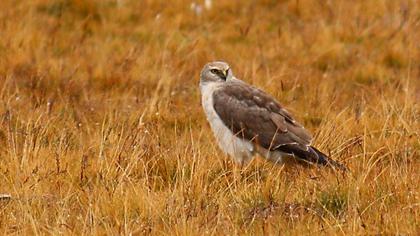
(323, 159)
(312, 155)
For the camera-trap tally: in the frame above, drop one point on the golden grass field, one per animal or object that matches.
(102, 130)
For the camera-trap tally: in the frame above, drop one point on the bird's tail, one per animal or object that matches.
(311, 155)
(320, 158)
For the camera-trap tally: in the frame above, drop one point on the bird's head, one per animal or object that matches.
(217, 71)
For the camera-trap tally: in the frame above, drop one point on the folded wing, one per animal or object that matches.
(254, 115)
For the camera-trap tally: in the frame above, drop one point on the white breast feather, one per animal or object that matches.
(241, 150)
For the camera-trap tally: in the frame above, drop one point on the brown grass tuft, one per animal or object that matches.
(102, 132)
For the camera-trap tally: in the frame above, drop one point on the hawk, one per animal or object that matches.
(247, 121)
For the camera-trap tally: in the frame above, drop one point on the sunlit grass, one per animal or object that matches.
(102, 131)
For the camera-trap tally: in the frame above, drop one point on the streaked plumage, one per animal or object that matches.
(246, 121)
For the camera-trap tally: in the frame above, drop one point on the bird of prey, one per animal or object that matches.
(247, 121)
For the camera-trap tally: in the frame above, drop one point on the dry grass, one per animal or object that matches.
(102, 132)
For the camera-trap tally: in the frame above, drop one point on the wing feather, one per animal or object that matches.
(254, 115)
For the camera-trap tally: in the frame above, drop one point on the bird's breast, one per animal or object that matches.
(228, 142)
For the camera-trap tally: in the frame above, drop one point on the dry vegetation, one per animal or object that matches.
(102, 131)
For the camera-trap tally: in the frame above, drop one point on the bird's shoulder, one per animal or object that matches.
(251, 96)
(247, 109)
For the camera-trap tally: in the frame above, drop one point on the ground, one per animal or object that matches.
(102, 130)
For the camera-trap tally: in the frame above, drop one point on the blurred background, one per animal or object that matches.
(102, 131)
(336, 50)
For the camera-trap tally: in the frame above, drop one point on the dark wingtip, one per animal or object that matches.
(311, 155)
(323, 159)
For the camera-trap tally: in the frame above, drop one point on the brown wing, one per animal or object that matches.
(254, 115)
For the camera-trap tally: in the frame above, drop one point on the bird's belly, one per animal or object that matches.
(241, 150)
(276, 157)
(236, 147)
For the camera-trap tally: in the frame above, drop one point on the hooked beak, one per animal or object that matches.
(225, 73)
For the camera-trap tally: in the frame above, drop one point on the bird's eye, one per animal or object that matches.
(214, 71)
